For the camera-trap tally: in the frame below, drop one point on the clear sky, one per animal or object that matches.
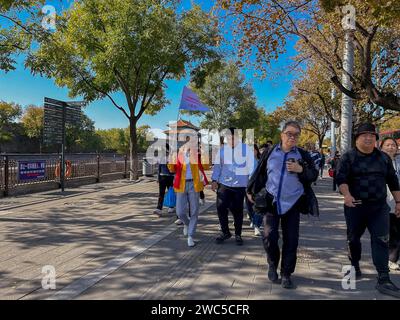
(21, 87)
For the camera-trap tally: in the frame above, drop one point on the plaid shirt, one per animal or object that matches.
(368, 175)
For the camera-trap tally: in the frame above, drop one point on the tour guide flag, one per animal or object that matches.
(190, 101)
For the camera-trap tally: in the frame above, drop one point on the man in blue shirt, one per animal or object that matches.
(234, 164)
(286, 173)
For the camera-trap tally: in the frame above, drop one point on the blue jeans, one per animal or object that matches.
(191, 197)
(254, 217)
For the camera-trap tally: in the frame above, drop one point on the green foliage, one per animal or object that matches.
(117, 139)
(267, 128)
(232, 104)
(32, 121)
(106, 46)
(144, 135)
(82, 137)
(9, 112)
(384, 11)
(17, 34)
(114, 140)
(229, 98)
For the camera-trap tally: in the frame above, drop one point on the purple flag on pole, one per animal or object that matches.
(190, 101)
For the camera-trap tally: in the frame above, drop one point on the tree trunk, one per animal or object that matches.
(321, 141)
(133, 149)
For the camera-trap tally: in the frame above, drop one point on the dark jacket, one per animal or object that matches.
(163, 171)
(309, 202)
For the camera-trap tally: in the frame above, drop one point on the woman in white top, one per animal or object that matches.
(390, 147)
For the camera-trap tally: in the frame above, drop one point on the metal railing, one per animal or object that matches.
(82, 166)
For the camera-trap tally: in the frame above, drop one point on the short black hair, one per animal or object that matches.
(232, 130)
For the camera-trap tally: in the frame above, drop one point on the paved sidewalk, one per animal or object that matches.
(105, 243)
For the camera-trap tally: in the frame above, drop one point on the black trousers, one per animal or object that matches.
(375, 217)
(334, 181)
(290, 224)
(230, 199)
(164, 183)
(394, 238)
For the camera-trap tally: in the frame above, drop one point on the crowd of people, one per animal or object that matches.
(275, 182)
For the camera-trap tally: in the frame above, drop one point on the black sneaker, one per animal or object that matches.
(287, 282)
(239, 240)
(222, 237)
(358, 272)
(273, 275)
(385, 286)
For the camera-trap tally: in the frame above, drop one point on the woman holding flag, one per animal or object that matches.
(190, 177)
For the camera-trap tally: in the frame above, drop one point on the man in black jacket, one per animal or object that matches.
(281, 189)
(362, 176)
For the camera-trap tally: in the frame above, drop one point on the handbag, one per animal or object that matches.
(170, 198)
(262, 202)
(330, 172)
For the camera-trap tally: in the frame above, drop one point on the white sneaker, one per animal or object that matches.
(185, 230)
(257, 231)
(190, 242)
(158, 212)
(251, 225)
(394, 266)
(171, 210)
(178, 222)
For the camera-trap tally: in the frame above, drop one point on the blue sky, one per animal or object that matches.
(21, 87)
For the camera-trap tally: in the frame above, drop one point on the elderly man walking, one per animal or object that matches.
(281, 189)
(362, 176)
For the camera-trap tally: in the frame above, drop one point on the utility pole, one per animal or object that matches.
(348, 24)
(333, 126)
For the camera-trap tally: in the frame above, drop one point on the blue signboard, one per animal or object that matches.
(31, 170)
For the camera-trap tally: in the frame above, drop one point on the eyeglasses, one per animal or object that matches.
(292, 135)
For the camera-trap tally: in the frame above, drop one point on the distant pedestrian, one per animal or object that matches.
(316, 157)
(390, 146)
(322, 167)
(264, 147)
(255, 218)
(334, 164)
(362, 176)
(165, 180)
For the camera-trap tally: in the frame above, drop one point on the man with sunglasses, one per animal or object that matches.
(362, 176)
